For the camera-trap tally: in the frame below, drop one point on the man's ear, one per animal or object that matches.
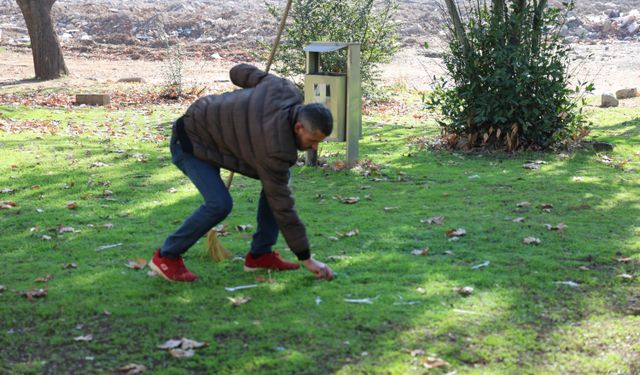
(298, 126)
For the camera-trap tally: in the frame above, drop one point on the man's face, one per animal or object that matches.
(307, 140)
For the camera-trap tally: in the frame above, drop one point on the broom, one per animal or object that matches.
(215, 249)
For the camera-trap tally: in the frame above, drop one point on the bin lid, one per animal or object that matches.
(325, 46)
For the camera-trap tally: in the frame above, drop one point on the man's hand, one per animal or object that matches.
(321, 270)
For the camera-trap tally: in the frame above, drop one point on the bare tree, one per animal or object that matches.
(47, 55)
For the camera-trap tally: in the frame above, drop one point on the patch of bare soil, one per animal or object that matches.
(105, 40)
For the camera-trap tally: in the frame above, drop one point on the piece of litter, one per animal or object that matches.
(407, 303)
(572, 284)
(318, 300)
(367, 301)
(105, 247)
(233, 289)
(483, 264)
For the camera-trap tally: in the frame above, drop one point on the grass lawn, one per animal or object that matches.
(568, 305)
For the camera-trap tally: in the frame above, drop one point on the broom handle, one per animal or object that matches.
(276, 42)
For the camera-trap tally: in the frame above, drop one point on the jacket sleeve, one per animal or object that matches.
(246, 76)
(275, 183)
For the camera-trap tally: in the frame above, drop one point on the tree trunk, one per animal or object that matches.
(458, 27)
(47, 55)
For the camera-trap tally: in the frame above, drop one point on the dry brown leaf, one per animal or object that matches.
(625, 276)
(237, 301)
(179, 353)
(437, 220)
(70, 265)
(433, 362)
(349, 200)
(624, 259)
(132, 369)
(107, 193)
(43, 279)
(137, 263)
(72, 205)
(416, 352)
(463, 291)
(192, 344)
(456, 232)
(2, 288)
(66, 230)
(560, 227)
(420, 252)
(531, 241)
(170, 344)
(244, 227)
(34, 293)
(523, 204)
(262, 279)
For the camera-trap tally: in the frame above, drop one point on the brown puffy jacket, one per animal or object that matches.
(250, 131)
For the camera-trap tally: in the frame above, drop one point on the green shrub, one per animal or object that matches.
(337, 21)
(509, 85)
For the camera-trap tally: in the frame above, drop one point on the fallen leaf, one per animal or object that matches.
(34, 293)
(262, 279)
(108, 225)
(107, 193)
(531, 166)
(531, 241)
(463, 291)
(546, 206)
(46, 238)
(420, 252)
(83, 338)
(35, 187)
(352, 233)
(2, 288)
(132, 369)
(170, 344)
(456, 232)
(7, 191)
(179, 353)
(523, 204)
(626, 276)
(237, 301)
(349, 200)
(387, 209)
(519, 220)
(192, 344)
(43, 279)
(559, 227)
(136, 264)
(433, 362)
(584, 268)
(624, 259)
(416, 352)
(6, 205)
(69, 265)
(66, 230)
(333, 238)
(72, 205)
(244, 227)
(172, 190)
(437, 220)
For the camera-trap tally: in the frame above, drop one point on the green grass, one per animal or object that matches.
(518, 320)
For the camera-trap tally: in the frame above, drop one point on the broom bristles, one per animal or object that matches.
(215, 249)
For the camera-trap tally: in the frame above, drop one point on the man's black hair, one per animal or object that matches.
(316, 116)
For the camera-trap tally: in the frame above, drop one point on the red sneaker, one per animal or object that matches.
(171, 269)
(270, 261)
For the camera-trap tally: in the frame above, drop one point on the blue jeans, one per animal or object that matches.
(216, 207)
